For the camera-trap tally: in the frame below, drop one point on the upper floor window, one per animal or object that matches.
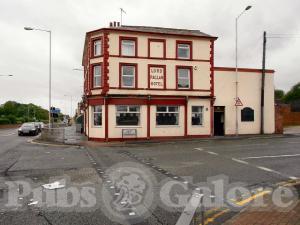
(156, 48)
(128, 46)
(97, 47)
(184, 77)
(127, 115)
(128, 75)
(184, 50)
(167, 115)
(97, 74)
(97, 115)
(197, 115)
(247, 114)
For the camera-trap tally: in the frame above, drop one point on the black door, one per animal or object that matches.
(219, 121)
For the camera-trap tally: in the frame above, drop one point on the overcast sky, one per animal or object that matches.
(25, 53)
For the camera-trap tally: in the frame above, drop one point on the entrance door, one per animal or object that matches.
(219, 120)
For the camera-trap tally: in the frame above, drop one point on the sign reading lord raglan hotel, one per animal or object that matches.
(157, 77)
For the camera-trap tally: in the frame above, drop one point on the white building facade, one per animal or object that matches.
(159, 83)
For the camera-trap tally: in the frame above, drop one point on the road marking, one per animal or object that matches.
(240, 161)
(247, 200)
(6, 135)
(199, 149)
(271, 156)
(212, 153)
(215, 216)
(293, 178)
(265, 168)
(189, 210)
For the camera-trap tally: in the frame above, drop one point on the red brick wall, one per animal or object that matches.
(288, 118)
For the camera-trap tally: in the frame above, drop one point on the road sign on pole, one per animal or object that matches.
(238, 102)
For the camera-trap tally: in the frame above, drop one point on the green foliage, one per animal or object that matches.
(279, 94)
(13, 112)
(293, 94)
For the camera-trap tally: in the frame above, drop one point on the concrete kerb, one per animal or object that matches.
(179, 140)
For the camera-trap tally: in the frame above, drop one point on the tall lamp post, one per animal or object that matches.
(49, 32)
(236, 68)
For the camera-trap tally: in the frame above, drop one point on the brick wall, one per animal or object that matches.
(289, 118)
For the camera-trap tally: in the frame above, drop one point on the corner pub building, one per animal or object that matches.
(159, 83)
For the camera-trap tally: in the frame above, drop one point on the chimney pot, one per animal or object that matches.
(118, 24)
(110, 24)
(115, 23)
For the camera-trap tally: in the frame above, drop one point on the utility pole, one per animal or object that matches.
(263, 83)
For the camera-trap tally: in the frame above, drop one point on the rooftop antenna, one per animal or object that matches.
(122, 11)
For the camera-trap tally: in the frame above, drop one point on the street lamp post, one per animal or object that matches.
(236, 68)
(49, 32)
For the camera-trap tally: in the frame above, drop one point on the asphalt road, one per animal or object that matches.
(254, 163)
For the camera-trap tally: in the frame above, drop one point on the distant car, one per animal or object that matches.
(29, 129)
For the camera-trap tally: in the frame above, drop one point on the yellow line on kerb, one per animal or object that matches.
(239, 203)
(247, 200)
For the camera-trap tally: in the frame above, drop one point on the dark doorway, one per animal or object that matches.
(219, 120)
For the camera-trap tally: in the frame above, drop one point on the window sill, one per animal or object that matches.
(129, 126)
(164, 126)
(96, 126)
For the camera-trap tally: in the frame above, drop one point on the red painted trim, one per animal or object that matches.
(191, 77)
(164, 48)
(169, 58)
(184, 42)
(185, 119)
(135, 39)
(135, 78)
(168, 101)
(165, 75)
(151, 33)
(88, 121)
(96, 101)
(169, 89)
(106, 119)
(148, 119)
(92, 66)
(242, 70)
(127, 101)
(105, 85)
(92, 53)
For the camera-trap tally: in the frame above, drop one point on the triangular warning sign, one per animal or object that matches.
(238, 102)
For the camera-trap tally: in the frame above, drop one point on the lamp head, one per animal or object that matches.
(248, 7)
(28, 28)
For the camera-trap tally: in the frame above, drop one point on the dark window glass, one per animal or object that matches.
(197, 115)
(247, 114)
(128, 115)
(97, 115)
(167, 115)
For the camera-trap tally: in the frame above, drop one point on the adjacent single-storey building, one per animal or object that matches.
(161, 83)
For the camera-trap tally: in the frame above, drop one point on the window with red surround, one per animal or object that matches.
(128, 46)
(96, 47)
(184, 50)
(96, 72)
(184, 77)
(156, 48)
(128, 77)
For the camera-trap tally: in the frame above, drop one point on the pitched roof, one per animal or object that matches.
(162, 30)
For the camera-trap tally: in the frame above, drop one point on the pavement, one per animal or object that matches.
(260, 165)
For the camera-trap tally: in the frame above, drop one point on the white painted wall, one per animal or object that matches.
(250, 94)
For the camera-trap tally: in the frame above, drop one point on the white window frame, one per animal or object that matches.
(129, 44)
(168, 111)
(184, 78)
(130, 112)
(184, 46)
(93, 115)
(97, 75)
(200, 113)
(128, 75)
(97, 45)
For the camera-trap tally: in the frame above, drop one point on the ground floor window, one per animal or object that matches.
(197, 115)
(97, 115)
(167, 115)
(247, 114)
(127, 115)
